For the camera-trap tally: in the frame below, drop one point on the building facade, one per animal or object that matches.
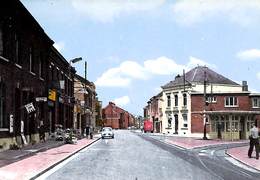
(85, 104)
(35, 80)
(116, 117)
(24, 53)
(202, 98)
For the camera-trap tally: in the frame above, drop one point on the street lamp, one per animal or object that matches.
(75, 60)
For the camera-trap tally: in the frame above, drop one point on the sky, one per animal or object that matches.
(133, 47)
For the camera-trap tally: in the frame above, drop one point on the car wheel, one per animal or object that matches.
(102, 137)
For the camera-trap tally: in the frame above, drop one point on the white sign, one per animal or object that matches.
(22, 126)
(11, 127)
(62, 84)
(41, 99)
(29, 107)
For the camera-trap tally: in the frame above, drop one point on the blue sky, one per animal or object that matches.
(134, 47)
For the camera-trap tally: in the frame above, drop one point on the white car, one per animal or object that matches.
(107, 132)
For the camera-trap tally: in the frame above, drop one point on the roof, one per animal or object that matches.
(197, 75)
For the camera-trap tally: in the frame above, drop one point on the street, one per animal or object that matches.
(134, 156)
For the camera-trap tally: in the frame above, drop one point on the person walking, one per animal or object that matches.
(254, 141)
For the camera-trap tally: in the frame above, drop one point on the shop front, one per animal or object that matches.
(231, 125)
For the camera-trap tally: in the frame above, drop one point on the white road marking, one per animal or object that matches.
(212, 152)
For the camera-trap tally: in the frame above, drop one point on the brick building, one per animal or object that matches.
(116, 117)
(35, 80)
(85, 103)
(202, 96)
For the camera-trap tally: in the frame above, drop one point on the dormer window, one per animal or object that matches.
(168, 100)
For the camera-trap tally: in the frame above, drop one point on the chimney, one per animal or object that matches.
(244, 86)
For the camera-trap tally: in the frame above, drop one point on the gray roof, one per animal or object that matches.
(196, 75)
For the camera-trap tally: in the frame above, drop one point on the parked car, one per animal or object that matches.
(107, 132)
(148, 126)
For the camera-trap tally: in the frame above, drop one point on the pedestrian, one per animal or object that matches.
(254, 141)
(42, 133)
(87, 131)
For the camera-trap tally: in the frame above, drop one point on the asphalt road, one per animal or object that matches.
(137, 157)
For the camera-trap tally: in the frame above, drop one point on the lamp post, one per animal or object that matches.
(204, 111)
(72, 80)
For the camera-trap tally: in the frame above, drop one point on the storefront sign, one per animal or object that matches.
(52, 95)
(44, 99)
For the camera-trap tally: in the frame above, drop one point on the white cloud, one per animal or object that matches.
(106, 11)
(258, 75)
(249, 54)
(59, 46)
(243, 12)
(198, 62)
(122, 101)
(162, 66)
(123, 75)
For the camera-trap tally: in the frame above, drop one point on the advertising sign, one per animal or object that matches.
(52, 95)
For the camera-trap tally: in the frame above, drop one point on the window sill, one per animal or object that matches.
(4, 59)
(231, 106)
(19, 66)
(255, 107)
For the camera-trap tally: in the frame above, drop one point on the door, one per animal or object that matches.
(242, 131)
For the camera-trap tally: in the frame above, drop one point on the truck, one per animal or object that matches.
(148, 126)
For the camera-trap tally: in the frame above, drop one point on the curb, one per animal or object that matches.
(55, 164)
(241, 161)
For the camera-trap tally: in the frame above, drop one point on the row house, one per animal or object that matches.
(202, 98)
(35, 80)
(116, 117)
(85, 104)
(153, 112)
(60, 92)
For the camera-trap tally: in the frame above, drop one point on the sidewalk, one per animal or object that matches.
(42, 161)
(238, 153)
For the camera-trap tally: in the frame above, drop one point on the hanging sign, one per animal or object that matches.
(29, 107)
(44, 99)
(52, 95)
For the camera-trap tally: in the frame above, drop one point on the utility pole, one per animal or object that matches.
(204, 111)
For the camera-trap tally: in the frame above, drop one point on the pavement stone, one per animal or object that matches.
(41, 161)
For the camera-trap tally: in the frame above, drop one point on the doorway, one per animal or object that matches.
(242, 131)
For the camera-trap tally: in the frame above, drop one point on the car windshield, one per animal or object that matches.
(107, 129)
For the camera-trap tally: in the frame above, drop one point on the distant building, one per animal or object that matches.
(116, 117)
(227, 108)
(85, 103)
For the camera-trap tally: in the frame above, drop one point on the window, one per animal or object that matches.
(185, 120)
(168, 100)
(256, 103)
(184, 99)
(40, 67)
(3, 123)
(1, 41)
(169, 122)
(212, 99)
(231, 102)
(31, 60)
(17, 49)
(176, 100)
